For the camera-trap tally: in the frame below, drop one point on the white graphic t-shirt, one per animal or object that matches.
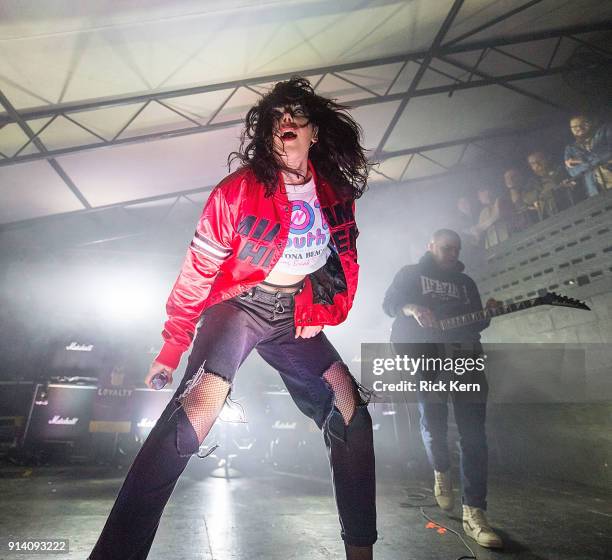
(307, 246)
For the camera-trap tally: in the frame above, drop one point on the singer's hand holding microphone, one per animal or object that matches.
(159, 375)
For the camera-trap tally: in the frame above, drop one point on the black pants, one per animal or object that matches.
(230, 330)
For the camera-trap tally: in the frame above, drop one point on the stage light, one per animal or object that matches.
(125, 296)
(127, 301)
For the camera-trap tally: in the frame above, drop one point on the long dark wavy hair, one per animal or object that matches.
(337, 155)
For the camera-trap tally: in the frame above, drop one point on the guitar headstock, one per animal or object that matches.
(552, 298)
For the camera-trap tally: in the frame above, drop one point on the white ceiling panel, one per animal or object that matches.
(337, 88)
(13, 138)
(153, 168)
(376, 79)
(547, 14)
(405, 78)
(107, 121)
(435, 76)
(155, 118)
(62, 52)
(374, 120)
(33, 190)
(422, 166)
(440, 118)
(237, 106)
(201, 106)
(78, 56)
(449, 156)
(556, 89)
(62, 133)
(391, 169)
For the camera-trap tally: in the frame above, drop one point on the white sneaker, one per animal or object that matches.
(475, 525)
(443, 490)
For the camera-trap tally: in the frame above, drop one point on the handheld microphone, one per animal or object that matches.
(159, 380)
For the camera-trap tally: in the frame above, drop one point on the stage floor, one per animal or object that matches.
(288, 516)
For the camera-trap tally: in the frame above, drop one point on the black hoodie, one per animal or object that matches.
(446, 293)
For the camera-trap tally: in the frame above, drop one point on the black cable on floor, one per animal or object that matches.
(472, 557)
(420, 496)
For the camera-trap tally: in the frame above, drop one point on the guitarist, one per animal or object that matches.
(420, 295)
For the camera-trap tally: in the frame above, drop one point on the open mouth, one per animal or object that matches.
(288, 135)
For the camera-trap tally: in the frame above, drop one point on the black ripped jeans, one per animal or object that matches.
(230, 330)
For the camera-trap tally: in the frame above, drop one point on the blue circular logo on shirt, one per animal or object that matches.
(302, 217)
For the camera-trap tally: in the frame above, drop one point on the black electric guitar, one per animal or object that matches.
(549, 298)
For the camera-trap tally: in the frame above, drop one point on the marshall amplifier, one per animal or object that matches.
(112, 410)
(60, 413)
(147, 406)
(81, 355)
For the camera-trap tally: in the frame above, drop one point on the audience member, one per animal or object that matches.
(492, 226)
(590, 156)
(522, 210)
(549, 190)
(551, 183)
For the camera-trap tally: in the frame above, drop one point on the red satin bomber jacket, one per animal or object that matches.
(239, 237)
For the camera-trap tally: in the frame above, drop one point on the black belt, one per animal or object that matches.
(286, 289)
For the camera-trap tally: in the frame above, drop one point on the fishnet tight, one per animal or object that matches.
(337, 375)
(203, 400)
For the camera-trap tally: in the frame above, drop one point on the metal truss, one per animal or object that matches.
(424, 65)
(176, 197)
(465, 77)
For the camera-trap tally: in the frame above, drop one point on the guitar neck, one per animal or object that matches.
(483, 314)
